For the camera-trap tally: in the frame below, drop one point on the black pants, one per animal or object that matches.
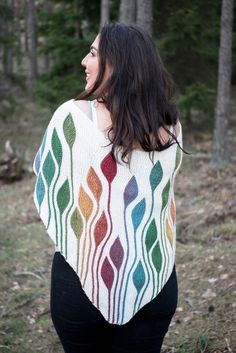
(82, 328)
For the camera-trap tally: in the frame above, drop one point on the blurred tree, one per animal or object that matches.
(47, 8)
(190, 48)
(220, 152)
(127, 13)
(67, 32)
(10, 79)
(7, 37)
(105, 12)
(145, 15)
(26, 29)
(33, 47)
(65, 29)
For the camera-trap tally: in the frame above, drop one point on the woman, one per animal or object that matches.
(105, 177)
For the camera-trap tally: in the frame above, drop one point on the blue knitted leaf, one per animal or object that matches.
(40, 189)
(139, 277)
(138, 213)
(156, 175)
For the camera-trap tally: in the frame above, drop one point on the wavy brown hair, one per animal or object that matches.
(138, 93)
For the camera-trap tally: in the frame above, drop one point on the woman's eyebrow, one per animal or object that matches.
(92, 47)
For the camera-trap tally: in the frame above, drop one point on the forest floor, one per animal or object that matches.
(206, 248)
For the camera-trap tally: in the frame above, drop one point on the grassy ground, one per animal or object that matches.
(206, 251)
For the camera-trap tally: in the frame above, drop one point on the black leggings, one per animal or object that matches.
(82, 328)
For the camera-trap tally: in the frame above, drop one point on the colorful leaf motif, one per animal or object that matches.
(117, 253)
(109, 167)
(131, 191)
(169, 232)
(100, 229)
(56, 147)
(172, 211)
(40, 189)
(76, 223)
(139, 277)
(156, 175)
(49, 169)
(151, 235)
(37, 161)
(43, 142)
(39, 154)
(107, 273)
(69, 130)
(63, 196)
(94, 183)
(138, 213)
(85, 203)
(157, 257)
(165, 194)
(178, 157)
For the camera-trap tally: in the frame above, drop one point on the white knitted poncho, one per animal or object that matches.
(115, 226)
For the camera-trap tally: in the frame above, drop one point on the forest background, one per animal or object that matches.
(41, 46)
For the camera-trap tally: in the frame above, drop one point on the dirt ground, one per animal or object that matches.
(205, 321)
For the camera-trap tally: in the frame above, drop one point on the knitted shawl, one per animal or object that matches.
(114, 225)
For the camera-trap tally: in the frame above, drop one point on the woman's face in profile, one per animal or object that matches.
(91, 64)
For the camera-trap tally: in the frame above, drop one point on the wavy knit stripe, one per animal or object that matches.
(115, 225)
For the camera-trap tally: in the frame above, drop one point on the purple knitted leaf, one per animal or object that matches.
(117, 253)
(131, 191)
(107, 274)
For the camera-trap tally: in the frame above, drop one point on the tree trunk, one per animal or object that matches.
(26, 27)
(32, 47)
(77, 22)
(220, 150)
(17, 31)
(8, 46)
(47, 8)
(127, 13)
(145, 15)
(105, 12)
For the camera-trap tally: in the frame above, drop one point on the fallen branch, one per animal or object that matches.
(228, 346)
(18, 306)
(47, 311)
(27, 273)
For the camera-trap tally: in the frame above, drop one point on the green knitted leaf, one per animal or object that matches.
(178, 157)
(69, 130)
(76, 223)
(156, 175)
(151, 235)
(165, 195)
(56, 147)
(63, 196)
(49, 168)
(157, 257)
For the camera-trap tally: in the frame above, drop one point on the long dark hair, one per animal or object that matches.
(138, 93)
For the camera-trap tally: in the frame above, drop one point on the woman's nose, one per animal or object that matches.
(83, 62)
